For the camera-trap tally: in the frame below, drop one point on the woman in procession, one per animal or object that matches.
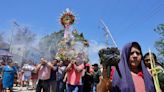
(8, 76)
(147, 60)
(135, 76)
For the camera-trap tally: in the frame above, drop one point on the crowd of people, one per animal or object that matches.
(50, 76)
(56, 76)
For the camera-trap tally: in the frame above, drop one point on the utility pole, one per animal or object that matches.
(107, 34)
(11, 40)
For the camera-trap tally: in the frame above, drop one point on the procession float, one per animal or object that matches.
(72, 45)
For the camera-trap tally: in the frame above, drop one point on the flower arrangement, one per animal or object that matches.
(109, 56)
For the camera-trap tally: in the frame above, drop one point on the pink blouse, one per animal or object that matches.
(73, 76)
(138, 82)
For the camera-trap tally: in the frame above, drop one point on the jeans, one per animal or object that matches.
(71, 88)
(93, 88)
(60, 86)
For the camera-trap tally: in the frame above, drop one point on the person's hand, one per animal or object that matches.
(64, 80)
(58, 64)
(73, 61)
(43, 62)
(104, 85)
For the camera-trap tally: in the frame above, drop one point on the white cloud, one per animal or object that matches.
(95, 46)
(93, 51)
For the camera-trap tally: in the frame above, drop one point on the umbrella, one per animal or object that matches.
(5, 53)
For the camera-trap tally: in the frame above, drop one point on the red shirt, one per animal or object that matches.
(74, 76)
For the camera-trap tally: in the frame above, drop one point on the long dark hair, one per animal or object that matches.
(154, 56)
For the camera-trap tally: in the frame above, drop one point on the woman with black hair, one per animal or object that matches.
(8, 76)
(87, 78)
(158, 65)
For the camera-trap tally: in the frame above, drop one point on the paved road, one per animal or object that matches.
(23, 89)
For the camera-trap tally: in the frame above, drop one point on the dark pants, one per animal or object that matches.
(71, 88)
(43, 84)
(60, 86)
(52, 85)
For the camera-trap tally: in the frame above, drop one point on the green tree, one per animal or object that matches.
(159, 44)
